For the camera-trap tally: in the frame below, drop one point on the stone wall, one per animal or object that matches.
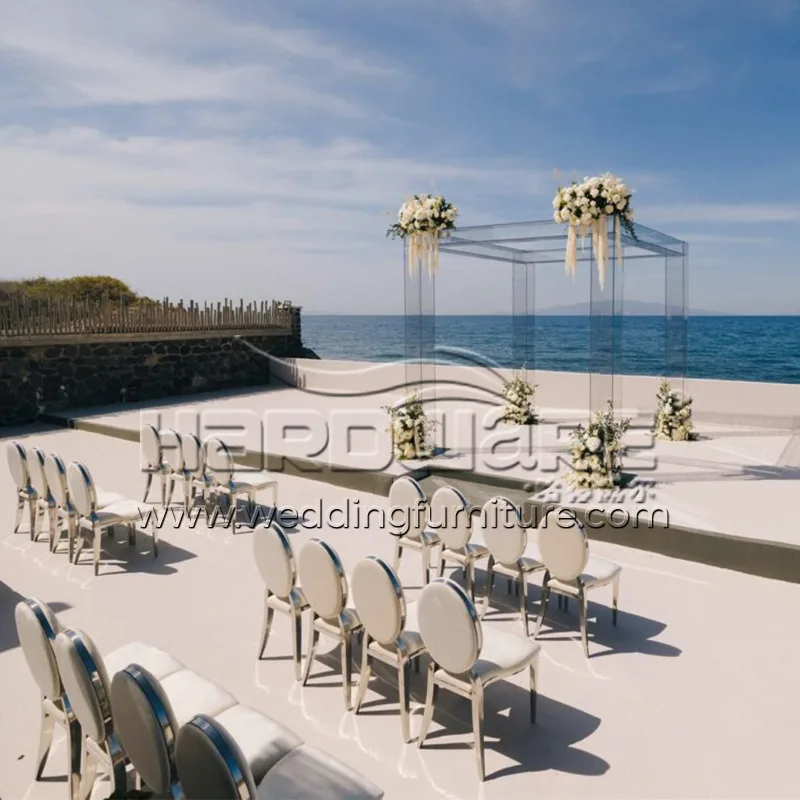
(60, 372)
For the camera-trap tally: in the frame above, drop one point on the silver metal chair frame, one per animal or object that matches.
(57, 710)
(519, 574)
(161, 469)
(471, 689)
(293, 605)
(428, 540)
(398, 657)
(25, 494)
(329, 627)
(109, 753)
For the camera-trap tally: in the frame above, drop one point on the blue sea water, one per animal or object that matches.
(727, 348)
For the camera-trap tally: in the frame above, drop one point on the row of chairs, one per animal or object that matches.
(496, 535)
(204, 469)
(139, 709)
(465, 657)
(74, 504)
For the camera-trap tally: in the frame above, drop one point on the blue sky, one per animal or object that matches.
(260, 148)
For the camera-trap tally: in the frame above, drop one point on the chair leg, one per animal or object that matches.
(297, 641)
(489, 585)
(188, 494)
(74, 748)
(364, 675)
(45, 740)
(430, 700)
(119, 761)
(88, 773)
(36, 520)
(442, 563)
(532, 669)
(131, 534)
(398, 554)
(404, 699)
(582, 612)
(53, 525)
(147, 485)
(347, 668)
(96, 536)
(269, 614)
(426, 567)
(313, 640)
(543, 605)
(615, 601)
(154, 535)
(522, 590)
(18, 517)
(477, 727)
(71, 534)
(170, 488)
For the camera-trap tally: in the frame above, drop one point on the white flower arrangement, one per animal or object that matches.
(585, 207)
(410, 429)
(422, 220)
(597, 452)
(519, 408)
(673, 419)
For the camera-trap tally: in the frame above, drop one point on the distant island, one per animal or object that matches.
(632, 308)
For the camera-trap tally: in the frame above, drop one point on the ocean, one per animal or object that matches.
(726, 348)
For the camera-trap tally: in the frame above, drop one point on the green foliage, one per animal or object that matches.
(81, 288)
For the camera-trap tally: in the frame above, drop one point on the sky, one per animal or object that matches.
(260, 148)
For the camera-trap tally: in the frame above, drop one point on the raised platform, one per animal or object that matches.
(725, 500)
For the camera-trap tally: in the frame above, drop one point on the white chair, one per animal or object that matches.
(325, 586)
(450, 518)
(467, 657)
(174, 462)
(148, 713)
(570, 570)
(390, 630)
(45, 502)
(66, 515)
(407, 523)
(500, 524)
(26, 494)
(37, 627)
(276, 565)
(196, 477)
(83, 496)
(85, 675)
(213, 763)
(153, 452)
(226, 481)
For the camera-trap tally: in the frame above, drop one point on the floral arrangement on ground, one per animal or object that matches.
(410, 429)
(519, 407)
(597, 451)
(673, 419)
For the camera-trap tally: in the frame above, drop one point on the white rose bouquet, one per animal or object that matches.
(519, 407)
(597, 452)
(410, 429)
(422, 220)
(673, 419)
(585, 208)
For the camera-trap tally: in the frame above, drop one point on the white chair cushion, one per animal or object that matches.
(411, 635)
(155, 661)
(307, 772)
(244, 481)
(108, 498)
(350, 621)
(262, 740)
(599, 570)
(123, 511)
(503, 654)
(190, 694)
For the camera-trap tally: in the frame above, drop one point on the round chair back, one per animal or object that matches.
(37, 627)
(274, 559)
(219, 459)
(81, 489)
(449, 517)
(37, 473)
(379, 599)
(449, 626)
(85, 680)
(56, 474)
(194, 460)
(563, 544)
(172, 449)
(18, 465)
(144, 722)
(211, 764)
(503, 532)
(406, 508)
(322, 578)
(150, 440)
